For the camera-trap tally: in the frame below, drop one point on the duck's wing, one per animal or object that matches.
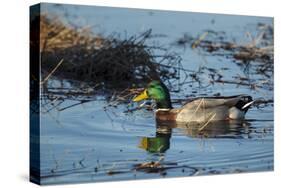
(211, 102)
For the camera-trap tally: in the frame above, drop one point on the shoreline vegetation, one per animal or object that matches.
(109, 61)
(78, 64)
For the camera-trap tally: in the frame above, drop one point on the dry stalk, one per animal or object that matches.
(207, 123)
(52, 72)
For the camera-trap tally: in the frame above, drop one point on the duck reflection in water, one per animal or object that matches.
(160, 143)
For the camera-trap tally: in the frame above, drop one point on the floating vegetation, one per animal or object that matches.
(163, 167)
(157, 167)
(255, 57)
(259, 49)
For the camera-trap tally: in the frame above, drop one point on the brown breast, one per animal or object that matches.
(166, 115)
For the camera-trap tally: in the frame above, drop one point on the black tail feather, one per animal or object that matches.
(242, 102)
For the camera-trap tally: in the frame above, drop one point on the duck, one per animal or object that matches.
(197, 109)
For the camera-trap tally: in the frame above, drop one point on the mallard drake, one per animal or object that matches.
(201, 109)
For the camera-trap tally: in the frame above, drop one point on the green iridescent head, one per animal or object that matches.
(157, 91)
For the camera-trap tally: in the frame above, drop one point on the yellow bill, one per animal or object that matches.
(141, 96)
(143, 143)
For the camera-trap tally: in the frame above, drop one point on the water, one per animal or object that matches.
(88, 143)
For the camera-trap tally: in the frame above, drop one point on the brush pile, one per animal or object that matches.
(110, 61)
(80, 65)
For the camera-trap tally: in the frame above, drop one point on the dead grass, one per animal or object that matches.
(111, 61)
